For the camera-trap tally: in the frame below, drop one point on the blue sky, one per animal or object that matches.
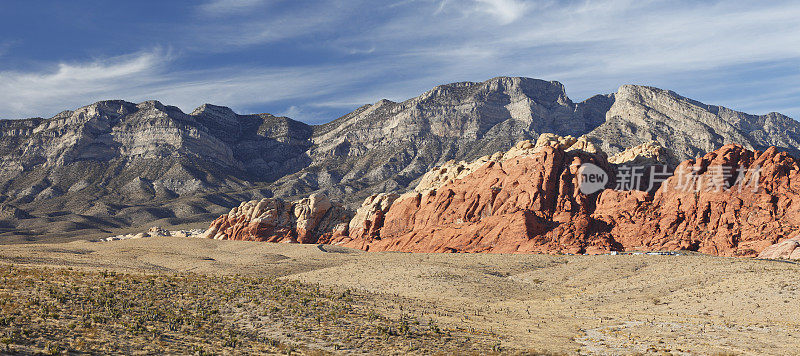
(317, 60)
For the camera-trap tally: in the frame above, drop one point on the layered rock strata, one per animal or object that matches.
(116, 164)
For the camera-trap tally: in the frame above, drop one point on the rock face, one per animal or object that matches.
(527, 203)
(692, 210)
(730, 202)
(567, 143)
(387, 146)
(369, 218)
(688, 128)
(309, 220)
(786, 249)
(647, 153)
(115, 164)
(451, 170)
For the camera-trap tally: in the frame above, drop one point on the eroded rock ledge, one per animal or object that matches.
(309, 220)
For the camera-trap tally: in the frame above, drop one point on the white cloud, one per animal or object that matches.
(229, 36)
(228, 7)
(34, 93)
(240, 88)
(5, 46)
(233, 24)
(591, 46)
(306, 115)
(439, 9)
(506, 11)
(614, 35)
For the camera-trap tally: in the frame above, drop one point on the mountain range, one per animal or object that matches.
(113, 164)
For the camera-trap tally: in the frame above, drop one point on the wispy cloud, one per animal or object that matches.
(5, 46)
(228, 7)
(144, 76)
(32, 93)
(506, 11)
(592, 46)
(306, 114)
(233, 24)
(244, 88)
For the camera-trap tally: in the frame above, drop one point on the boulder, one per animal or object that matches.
(451, 171)
(647, 153)
(309, 220)
(157, 231)
(786, 249)
(566, 143)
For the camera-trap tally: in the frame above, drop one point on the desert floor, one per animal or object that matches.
(690, 304)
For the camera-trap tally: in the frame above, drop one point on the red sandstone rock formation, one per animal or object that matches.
(731, 202)
(369, 218)
(528, 203)
(756, 205)
(309, 220)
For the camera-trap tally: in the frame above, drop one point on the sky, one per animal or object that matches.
(317, 60)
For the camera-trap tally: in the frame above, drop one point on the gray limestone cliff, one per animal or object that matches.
(688, 128)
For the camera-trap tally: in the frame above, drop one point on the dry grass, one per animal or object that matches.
(56, 311)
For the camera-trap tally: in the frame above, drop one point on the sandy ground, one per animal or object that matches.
(572, 304)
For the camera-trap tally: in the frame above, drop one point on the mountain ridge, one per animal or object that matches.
(114, 164)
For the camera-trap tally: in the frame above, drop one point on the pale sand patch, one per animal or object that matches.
(586, 304)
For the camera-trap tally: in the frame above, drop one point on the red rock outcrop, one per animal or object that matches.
(309, 220)
(528, 203)
(452, 170)
(730, 202)
(369, 218)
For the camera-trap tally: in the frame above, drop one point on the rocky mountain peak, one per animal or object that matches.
(221, 121)
(151, 104)
(689, 128)
(101, 110)
(542, 90)
(214, 111)
(644, 93)
(383, 102)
